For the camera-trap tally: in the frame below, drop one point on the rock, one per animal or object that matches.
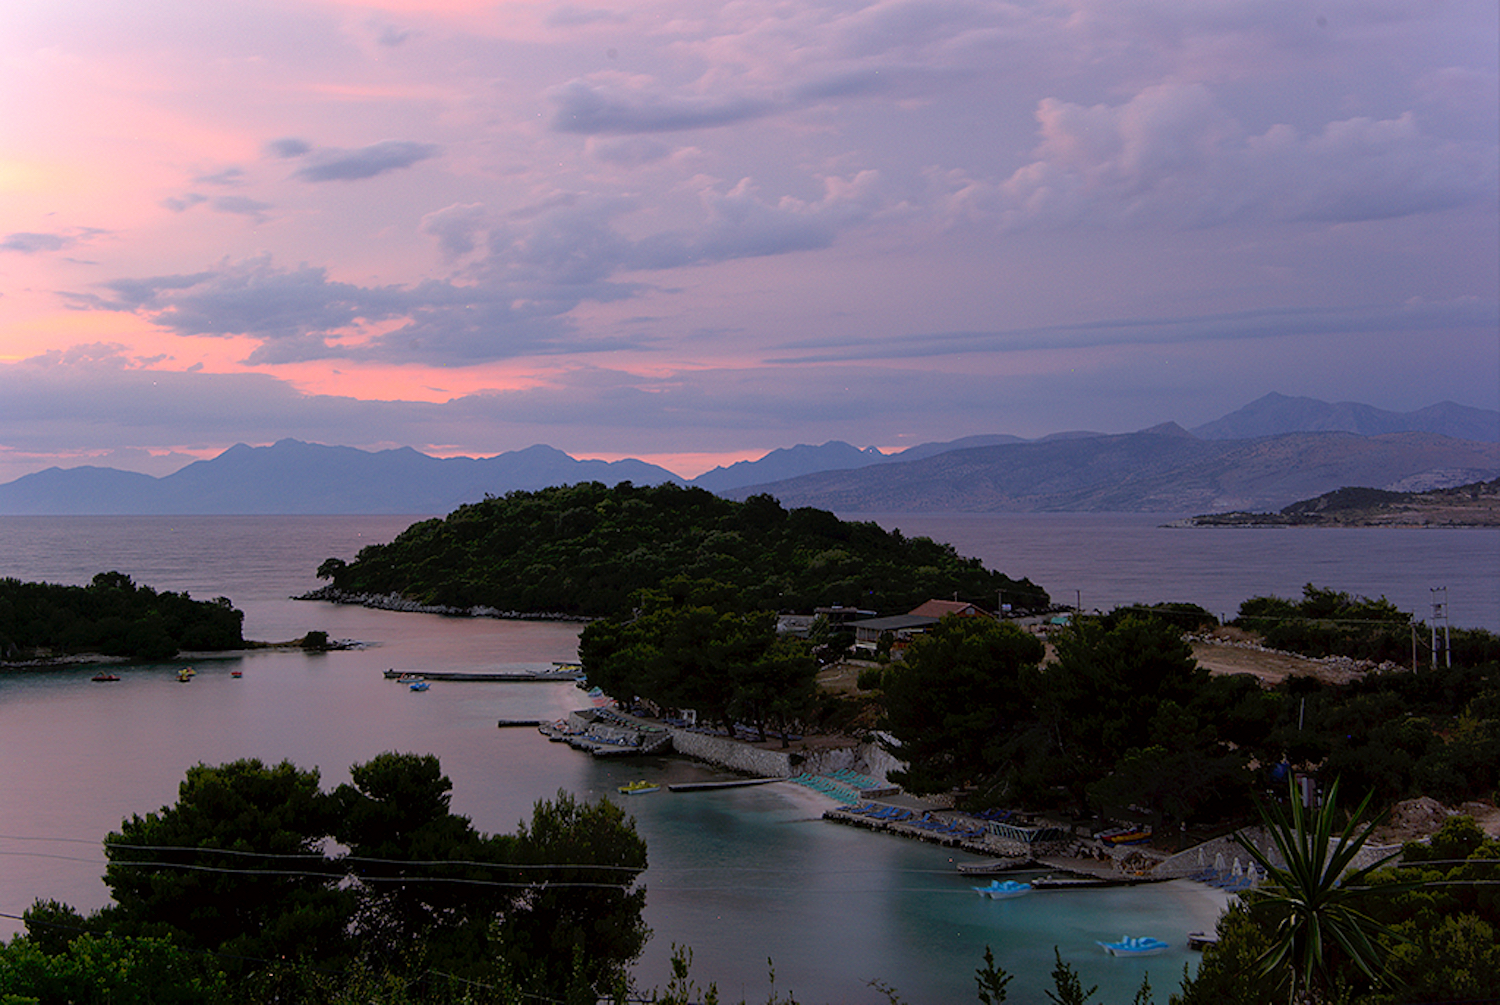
(1416, 818)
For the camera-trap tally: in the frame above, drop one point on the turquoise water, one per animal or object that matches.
(740, 875)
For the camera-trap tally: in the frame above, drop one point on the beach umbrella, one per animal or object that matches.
(1238, 869)
(1219, 862)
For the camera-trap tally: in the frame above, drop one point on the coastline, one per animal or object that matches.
(1251, 521)
(396, 602)
(64, 662)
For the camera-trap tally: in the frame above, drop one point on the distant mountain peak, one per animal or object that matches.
(1277, 414)
(789, 462)
(1168, 429)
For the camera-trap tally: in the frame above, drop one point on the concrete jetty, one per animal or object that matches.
(497, 677)
(735, 783)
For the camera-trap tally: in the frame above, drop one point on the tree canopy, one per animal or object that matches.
(696, 645)
(587, 548)
(956, 699)
(235, 865)
(243, 869)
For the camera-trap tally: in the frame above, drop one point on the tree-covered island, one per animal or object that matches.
(112, 616)
(586, 549)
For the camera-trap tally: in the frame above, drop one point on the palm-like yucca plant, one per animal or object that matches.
(1311, 900)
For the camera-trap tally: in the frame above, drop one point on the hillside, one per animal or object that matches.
(1475, 505)
(1276, 414)
(1163, 470)
(584, 549)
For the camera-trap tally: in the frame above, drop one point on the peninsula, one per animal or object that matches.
(1474, 505)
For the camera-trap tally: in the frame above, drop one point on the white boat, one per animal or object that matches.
(1144, 945)
(1003, 890)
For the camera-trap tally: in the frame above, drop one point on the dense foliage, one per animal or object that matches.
(956, 700)
(1431, 920)
(1399, 734)
(113, 616)
(697, 645)
(1331, 623)
(235, 894)
(586, 548)
(1123, 716)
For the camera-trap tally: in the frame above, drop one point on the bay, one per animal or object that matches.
(740, 876)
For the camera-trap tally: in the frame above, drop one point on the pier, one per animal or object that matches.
(498, 677)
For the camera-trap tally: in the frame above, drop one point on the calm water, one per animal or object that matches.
(1108, 559)
(740, 876)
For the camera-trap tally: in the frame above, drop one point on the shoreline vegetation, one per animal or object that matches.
(1474, 505)
(397, 602)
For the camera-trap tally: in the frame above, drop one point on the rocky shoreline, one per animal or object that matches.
(396, 602)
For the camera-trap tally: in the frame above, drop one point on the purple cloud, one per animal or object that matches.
(592, 109)
(228, 176)
(183, 203)
(241, 206)
(1172, 155)
(288, 148)
(28, 243)
(365, 162)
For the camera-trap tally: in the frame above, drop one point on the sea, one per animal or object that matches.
(753, 881)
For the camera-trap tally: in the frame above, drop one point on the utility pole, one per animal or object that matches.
(1440, 613)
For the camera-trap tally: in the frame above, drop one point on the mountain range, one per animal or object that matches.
(1272, 452)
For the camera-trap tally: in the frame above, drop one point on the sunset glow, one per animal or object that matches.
(690, 234)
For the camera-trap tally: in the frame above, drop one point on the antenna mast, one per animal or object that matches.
(1440, 613)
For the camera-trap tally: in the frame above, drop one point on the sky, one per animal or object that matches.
(692, 232)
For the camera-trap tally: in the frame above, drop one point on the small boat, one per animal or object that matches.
(1125, 835)
(419, 685)
(639, 788)
(101, 675)
(236, 673)
(991, 866)
(1003, 890)
(1144, 945)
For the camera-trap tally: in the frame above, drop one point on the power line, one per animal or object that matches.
(313, 856)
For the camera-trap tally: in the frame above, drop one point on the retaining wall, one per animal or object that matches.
(734, 755)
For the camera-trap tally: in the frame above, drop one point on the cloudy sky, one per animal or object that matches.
(693, 232)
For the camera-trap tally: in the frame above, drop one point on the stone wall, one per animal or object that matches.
(866, 758)
(734, 755)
